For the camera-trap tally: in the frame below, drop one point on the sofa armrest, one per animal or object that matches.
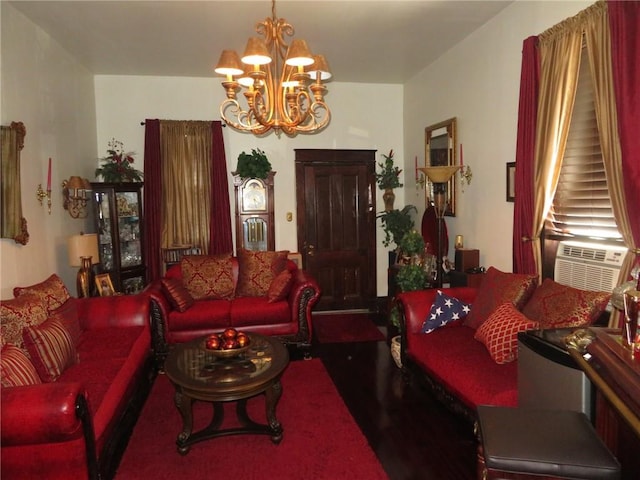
(304, 294)
(415, 306)
(45, 413)
(160, 309)
(115, 311)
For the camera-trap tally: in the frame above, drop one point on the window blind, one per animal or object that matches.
(581, 205)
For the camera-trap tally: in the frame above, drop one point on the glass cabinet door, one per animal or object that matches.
(105, 237)
(129, 229)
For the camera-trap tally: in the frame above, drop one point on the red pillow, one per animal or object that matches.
(560, 306)
(499, 332)
(52, 291)
(208, 276)
(179, 297)
(50, 348)
(280, 286)
(257, 270)
(497, 288)
(16, 370)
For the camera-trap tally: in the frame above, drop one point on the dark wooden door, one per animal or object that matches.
(335, 193)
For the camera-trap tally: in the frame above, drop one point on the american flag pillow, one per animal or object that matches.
(445, 309)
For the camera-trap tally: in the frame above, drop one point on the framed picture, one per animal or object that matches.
(511, 182)
(104, 285)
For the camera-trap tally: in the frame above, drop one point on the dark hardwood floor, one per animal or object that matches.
(413, 435)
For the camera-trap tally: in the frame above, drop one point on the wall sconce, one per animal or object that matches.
(76, 193)
(83, 252)
(41, 194)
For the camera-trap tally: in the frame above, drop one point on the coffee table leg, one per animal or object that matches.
(184, 405)
(272, 396)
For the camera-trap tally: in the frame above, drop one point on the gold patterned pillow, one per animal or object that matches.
(208, 276)
(52, 291)
(17, 313)
(560, 306)
(257, 270)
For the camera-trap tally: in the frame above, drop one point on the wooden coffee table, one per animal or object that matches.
(198, 374)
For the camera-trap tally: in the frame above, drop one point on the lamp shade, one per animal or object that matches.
(440, 174)
(229, 63)
(298, 54)
(256, 52)
(83, 245)
(320, 67)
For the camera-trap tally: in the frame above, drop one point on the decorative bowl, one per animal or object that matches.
(225, 353)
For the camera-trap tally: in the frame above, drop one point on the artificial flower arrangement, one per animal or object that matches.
(117, 166)
(389, 176)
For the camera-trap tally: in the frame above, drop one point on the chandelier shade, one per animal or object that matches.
(282, 84)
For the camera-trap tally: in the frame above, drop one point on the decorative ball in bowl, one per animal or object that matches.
(229, 343)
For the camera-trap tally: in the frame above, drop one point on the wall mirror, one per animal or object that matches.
(12, 224)
(440, 150)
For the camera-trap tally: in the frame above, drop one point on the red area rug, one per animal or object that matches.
(321, 440)
(348, 327)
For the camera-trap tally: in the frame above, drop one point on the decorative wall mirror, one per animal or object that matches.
(12, 224)
(440, 150)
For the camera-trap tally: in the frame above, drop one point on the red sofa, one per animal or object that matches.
(465, 371)
(75, 425)
(287, 317)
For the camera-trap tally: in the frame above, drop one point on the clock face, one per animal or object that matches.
(254, 198)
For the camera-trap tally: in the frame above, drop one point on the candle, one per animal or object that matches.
(461, 159)
(49, 177)
(416, 166)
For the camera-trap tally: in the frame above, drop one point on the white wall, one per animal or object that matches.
(52, 94)
(364, 116)
(478, 82)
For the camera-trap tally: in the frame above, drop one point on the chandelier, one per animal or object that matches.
(282, 84)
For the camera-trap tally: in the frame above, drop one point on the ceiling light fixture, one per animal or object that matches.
(282, 84)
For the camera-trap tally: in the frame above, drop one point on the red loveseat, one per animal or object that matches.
(245, 292)
(68, 407)
(472, 361)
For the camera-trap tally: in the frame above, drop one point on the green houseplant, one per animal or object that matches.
(396, 223)
(253, 165)
(388, 178)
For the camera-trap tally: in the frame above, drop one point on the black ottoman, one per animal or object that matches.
(518, 442)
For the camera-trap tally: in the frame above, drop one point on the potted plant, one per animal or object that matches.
(117, 166)
(396, 223)
(253, 165)
(411, 247)
(388, 178)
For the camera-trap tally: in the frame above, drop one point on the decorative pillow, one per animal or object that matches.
(16, 370)
(52, 291)
(444, 309)
(67, 315)
(208, 276)
(280, 286)
(178, 295)
(51, 349)
(497, 288)
(559, 306)
(17, 313)
(257, 270)
(499, 332)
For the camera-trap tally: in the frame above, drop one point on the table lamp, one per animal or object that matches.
(83, 252)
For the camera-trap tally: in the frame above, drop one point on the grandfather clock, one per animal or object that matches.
(254, 213)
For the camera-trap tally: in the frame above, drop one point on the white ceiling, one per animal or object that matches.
(372, 41)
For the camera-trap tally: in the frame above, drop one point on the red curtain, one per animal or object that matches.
(624, 23)
(523, 260)
(220, 236)
(152, 199)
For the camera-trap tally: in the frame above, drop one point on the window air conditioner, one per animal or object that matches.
(588, 266)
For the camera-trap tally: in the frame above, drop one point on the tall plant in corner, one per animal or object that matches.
(388, 178)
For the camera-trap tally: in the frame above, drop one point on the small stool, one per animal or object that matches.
(526, 443)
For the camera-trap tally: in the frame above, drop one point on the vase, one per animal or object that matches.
(388, 196)
(395, 350)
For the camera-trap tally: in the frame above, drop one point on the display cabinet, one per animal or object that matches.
(118, 216)
(254, 213)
